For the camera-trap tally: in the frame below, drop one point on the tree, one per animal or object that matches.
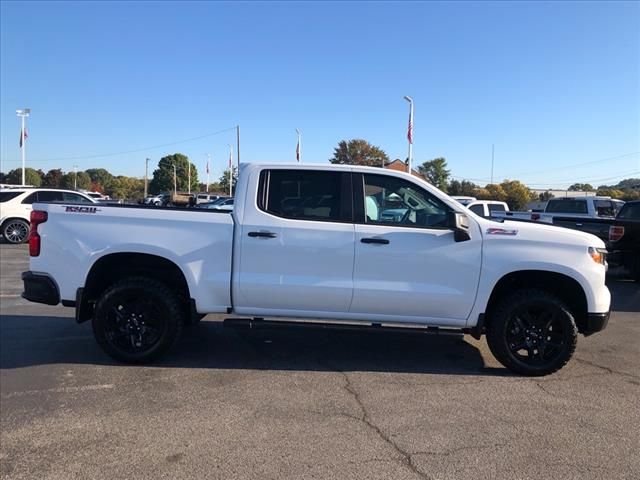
(517, 194)
(75, 181)
(31, 177)
(463, 188)
(52, 178)
(359, 152)
(100, 176)
(546, 196)
(126, 188)
(223, 183)
(581, 187)
(436, 172)
(162, 180)
(492, 192)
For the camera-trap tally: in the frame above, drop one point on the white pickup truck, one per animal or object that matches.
(575, 207)
(313, 242)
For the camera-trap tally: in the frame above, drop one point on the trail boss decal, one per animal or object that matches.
(77, 209)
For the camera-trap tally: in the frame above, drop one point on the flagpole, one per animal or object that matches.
(299, 147)
(23, 113)
(230, 170)
(410, 132)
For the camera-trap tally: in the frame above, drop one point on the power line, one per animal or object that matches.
(83, 157)
(574, 165)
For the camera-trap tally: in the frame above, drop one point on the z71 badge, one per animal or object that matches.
(78, 209)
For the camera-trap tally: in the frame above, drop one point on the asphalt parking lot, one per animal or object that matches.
(280, 404)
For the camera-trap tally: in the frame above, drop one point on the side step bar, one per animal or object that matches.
(262, 324)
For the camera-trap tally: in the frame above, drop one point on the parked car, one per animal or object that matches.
(304, 243)
(487, 208)
(159, 200)
(214, 204)
(582, 207)
(16, 206)
(97, 196)
(224, 205)
(624, 239)
(207, 198)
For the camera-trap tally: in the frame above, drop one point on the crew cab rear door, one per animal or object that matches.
(408, 266)
(296, 244)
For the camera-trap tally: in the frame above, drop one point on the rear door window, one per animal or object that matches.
(6, 196)
(567, 206)
(477, 209)
(49, 196)
(604, 208)
(74, 197)
(305, 195)
(496, 207)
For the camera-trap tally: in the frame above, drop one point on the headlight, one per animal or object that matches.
(598, 254)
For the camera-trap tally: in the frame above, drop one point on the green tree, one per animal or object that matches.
(162, 180)
(492, 192)
(126, 188)
(52, 178)
(358, 152)
(517, 194)
(99, 176)
(546, 196)
(31, 177)
(436, 173)
(223, 183)
(80, 182)
(462, 188)
(581, 187)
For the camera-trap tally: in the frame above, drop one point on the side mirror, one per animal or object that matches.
(459, 223)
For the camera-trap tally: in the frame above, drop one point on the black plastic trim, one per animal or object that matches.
(596, 322)
(40, 288)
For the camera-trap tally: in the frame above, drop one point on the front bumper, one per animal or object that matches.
(40, 288)
(596, 322)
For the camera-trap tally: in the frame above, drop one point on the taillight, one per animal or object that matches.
(37, 217)
(616, 232)
(535, 216)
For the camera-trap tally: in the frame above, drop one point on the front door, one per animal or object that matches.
(296, 249)
(408, 267)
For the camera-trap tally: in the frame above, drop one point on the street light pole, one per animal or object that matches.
(238, 143)
(189, 176)
(75, 177)
(410, 131)
(23, 113)
(146, 177)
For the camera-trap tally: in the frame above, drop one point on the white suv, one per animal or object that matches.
(15, 208)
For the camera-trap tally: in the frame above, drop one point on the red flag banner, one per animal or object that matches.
(410, 129)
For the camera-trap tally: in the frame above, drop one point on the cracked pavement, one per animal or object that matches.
(315, 404)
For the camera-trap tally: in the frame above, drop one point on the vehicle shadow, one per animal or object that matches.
(625, 293)
(33, 340)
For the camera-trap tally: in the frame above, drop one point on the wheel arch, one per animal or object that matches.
(568, 289)
(114, 266)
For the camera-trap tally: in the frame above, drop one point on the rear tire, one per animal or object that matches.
(137, 319)
(532, 332)
(15, 231)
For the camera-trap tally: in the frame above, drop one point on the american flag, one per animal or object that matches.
(23, 136)
(410, 129)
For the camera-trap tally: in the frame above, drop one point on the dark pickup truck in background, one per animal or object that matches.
(624, 239)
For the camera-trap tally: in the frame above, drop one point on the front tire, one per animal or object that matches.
(532, 332)
(137, 319)
(15, 231)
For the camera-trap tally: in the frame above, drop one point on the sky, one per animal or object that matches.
(555, 87)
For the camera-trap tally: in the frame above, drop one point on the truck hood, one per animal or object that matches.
(541, 232)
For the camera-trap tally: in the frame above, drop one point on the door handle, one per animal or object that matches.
(263, 234)
(380, 241)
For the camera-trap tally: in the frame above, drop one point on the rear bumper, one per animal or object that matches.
(596, 322)
(40, 288)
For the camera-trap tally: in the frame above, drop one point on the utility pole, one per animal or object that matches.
(208, 167)
(189, 176)
(146, 176)
(175, 180)
(75, 178)
(23, 113)
(492, 152)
